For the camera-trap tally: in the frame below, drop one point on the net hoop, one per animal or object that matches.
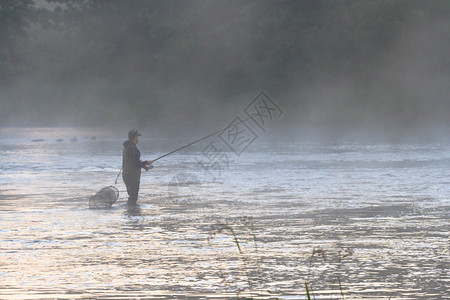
(104, 198)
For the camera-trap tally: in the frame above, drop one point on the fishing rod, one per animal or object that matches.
(192, 143)
(201, 139)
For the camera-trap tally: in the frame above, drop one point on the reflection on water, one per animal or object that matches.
(376, 217)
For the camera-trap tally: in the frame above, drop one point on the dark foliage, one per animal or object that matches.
(143, 61)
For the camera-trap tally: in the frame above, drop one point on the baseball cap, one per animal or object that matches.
(133, 133)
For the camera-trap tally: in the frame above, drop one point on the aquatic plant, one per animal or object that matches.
(307, 291)
(245, 226)
(340, 288)
(240, 226)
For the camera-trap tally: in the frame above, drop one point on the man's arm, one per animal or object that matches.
(134, 154)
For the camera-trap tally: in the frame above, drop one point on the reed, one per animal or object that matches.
(307, 291)
(247, 222)
(340, 288)
(224, 227)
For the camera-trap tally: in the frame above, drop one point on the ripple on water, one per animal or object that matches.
(374, 216)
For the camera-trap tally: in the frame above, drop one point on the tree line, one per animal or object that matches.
(142, 60)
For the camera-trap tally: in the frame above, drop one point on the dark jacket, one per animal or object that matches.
(131, 158)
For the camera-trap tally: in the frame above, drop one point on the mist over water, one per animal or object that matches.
(344, 70)
(342, 172)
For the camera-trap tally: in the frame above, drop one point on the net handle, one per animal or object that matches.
(117, 178)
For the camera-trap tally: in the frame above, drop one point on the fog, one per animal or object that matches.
(375, 71)
(339, 185)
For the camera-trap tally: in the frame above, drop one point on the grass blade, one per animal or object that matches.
(307, 292)
(340, 288)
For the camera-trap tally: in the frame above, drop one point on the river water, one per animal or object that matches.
(373, 217)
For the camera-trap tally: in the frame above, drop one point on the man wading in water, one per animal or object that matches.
(132, 165)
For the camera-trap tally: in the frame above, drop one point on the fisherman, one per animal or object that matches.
(132, 165)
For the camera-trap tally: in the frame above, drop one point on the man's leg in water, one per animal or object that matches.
(132, 183)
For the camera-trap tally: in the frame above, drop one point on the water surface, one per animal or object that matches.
(374, 216)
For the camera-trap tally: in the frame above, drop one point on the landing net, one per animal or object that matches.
(105, 198)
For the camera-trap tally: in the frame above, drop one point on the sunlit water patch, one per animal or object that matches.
(374, 217)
